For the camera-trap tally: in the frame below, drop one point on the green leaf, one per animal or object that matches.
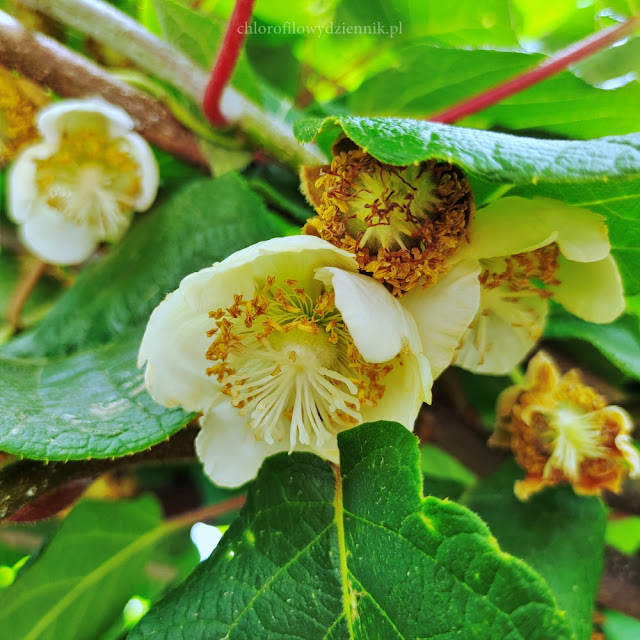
(92, 404)
(198, 36)
(601, 175)
(200, 223)
(618, 341)
(618, 626)
(356, 554)
(86, 574)
(563, 105)
(624, 534)
(494, 157)
(557, 532)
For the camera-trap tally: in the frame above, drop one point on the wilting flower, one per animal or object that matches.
(82, 183)
(20, 100)
(413, 229)
(562, 431)
(282, 346)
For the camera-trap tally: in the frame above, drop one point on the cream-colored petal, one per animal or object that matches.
(590, 290)
(403, 396)
(505, 227)
(542, 373)
(582, 234)
(147, 170)
(503, 331)
(376, 321)
(444, 311)
(22, 193)
(228, 449)
(290, 257)
(49, 236)
(60, 116)
(379, 325)
(174, 347)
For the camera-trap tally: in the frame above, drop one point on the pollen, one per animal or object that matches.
(402, 223)
(286, 359)
(562, 431)
(20, 101)
(523, 271)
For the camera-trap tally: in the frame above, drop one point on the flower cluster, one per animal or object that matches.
(285, 344)
(80, 185)
(562, 431)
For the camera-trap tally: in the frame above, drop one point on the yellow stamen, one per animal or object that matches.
(20, 101)
(402, 223)
(291, 363)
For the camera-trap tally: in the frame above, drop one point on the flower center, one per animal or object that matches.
(288, 360)
(567, 425)
(402, 223)
(91, 179)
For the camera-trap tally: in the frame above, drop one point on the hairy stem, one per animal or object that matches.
(115, 29)
(226, 61)
(546, 69)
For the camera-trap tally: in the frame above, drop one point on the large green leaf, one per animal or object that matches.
(490, 156)
(79, 584)
(563, 104)
(92, 403)
(557, 532)
(356, 553)
(602, 175)
(200, 223)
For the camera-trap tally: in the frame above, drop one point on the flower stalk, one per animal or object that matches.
(226, 62)
(550, 67)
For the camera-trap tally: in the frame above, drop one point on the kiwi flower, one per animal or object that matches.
(415, 229)
(281, 346)
(562, 431)
(81, 184)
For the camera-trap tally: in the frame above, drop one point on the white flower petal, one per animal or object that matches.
(444, 311)
(590, 290)
(228, 449)
(282, 257)
(174, 346)
(22, 193)
(505, 227)
(403, 396)
(60, 116)
(147, 171)
(370, 312)
(503, 332)
(47, 234)
(582, 234)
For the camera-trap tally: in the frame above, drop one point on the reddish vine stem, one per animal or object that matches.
(226, 61)
(546, 69)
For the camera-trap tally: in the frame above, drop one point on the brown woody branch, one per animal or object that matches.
(31, 490)
(620, 584)
(51, 65)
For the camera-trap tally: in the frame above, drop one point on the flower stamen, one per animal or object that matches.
(288, 361)
(401, 223)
